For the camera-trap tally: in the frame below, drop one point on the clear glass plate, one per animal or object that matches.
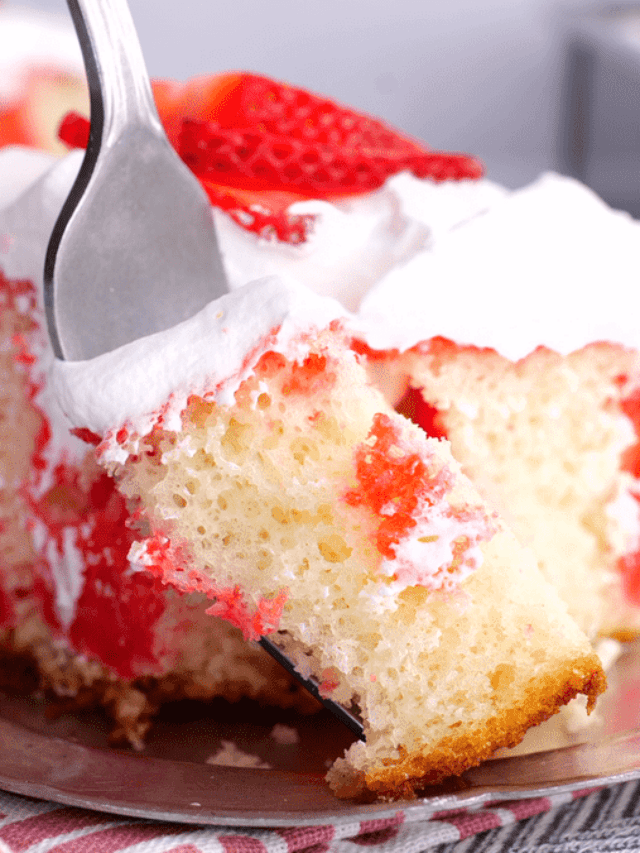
(68, 759)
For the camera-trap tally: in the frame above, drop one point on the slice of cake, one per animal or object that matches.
(275, 480)
(549, 434)
(340, 241)
(551, 440)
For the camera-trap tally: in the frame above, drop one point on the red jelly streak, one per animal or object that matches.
(231, 605)
(42, 590)
(7, 611)
(312, 375)
(86, 435)
(415, 407)
(629, 565)
(363, 349)
(393, 483)
(270, 364)
(631, 457)
(170, 561)
(43, 438)
(117, 609)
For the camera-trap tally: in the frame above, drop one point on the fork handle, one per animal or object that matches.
(119, 86)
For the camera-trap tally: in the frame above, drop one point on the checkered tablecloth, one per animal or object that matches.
(597, 821)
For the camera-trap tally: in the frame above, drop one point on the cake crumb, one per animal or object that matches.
(285, 735)
(230, 755)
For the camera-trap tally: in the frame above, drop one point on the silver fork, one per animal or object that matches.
(134, 249)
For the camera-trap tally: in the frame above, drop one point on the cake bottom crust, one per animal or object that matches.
(419, 768)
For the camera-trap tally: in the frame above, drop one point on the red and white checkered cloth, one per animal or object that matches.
(554, 823)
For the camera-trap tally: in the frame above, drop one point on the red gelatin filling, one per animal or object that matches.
(116, 611)
(629, 565)
(415, 407)
(393, 483)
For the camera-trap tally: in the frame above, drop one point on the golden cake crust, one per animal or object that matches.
(416, 770)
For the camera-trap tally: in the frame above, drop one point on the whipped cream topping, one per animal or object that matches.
(355, 242)
(550, 264)
(209, 354)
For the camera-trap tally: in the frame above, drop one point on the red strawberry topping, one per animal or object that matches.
(74, 130)
(258, 145)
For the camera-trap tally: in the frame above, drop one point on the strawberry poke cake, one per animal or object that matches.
(280, 166)
(229, 517)
(273, 478)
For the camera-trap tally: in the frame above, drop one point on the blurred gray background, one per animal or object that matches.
(486, 76)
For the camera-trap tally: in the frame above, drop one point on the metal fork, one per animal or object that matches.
(134, 249)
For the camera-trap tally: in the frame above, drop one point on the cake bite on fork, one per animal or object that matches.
(134, 249)
(271, 476)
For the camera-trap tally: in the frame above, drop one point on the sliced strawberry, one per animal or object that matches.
(266, 134)
(265, 212)
(258, 145)
(205, 98)
(250, 159)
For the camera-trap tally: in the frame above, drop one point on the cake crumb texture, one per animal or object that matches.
(308, 509)
(552, 442)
